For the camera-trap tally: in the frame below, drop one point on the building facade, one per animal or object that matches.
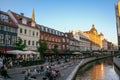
(27, 29)
(117, 11)
(53, 37)
(84, 42)
(95, 38)
(8, 32)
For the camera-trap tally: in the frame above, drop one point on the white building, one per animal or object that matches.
(84, 42)
(27, 29)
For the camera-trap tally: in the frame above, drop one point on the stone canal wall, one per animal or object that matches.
(116, 61)
(81, 64)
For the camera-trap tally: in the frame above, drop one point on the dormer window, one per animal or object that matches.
(24, 21)
(4, 17)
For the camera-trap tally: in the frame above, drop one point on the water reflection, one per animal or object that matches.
(99, 70)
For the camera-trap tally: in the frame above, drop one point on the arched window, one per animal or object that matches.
(25, 31)
(36, 33)
(29, 42)
(20, 30)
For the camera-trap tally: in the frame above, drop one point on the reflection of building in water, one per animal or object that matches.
(98, 72)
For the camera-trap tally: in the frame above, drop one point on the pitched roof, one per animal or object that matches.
(21, 16)
(10, 22)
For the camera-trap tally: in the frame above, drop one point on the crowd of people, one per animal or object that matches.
(48, 72)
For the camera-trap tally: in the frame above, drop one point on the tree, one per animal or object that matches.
(55, 50)
(19, 44)
(42, 48)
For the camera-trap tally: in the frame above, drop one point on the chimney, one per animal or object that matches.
(22, 14)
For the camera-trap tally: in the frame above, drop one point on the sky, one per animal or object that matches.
(67, 15)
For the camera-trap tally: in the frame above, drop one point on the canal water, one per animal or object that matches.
(99, 70)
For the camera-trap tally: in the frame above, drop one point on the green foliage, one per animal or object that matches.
(42, 46)
(55, 49)
(19, 44)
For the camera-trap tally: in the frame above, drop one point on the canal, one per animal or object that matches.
(99, 70)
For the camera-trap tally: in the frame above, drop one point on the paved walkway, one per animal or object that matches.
(64, 68)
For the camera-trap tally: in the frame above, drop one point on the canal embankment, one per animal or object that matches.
(82, 64)
(116, 61)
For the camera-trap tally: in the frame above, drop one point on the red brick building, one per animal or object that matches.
(53, 37)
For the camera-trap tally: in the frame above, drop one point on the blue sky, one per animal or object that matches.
(66, 15)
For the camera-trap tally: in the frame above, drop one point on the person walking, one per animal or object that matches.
(3, 71)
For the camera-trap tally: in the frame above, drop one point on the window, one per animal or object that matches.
(4, 18)
(25, 42)
(1, 38)
(37, 43)
(42, 28)
(25, 31)
(32, 42)
(52, 39)
(24, 21)
(15, 30)
(49, 30)
(7, 28)
(13, 40)
(29, 42)
(36, 33)
(41, 37)
(45, 37)
(4, 28)
(20, 30)
(30, 32)
(46, 30)
(49, 38)
(11, 30)
(7, 39)
(33, 33)
(63, 40)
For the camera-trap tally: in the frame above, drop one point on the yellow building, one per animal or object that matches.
(94, 36)
(117, 12)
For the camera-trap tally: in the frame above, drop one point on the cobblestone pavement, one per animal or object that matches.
(64, 68)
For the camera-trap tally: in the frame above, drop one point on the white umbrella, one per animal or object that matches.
(16, 52)
(30, 52)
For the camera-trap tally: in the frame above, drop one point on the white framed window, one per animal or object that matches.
(33, 43)
(33, 33)
(7, 28)
(4, 18)
(37, 34)
(24, 21)
(7, 39)
(42, 28)
(13, 40)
